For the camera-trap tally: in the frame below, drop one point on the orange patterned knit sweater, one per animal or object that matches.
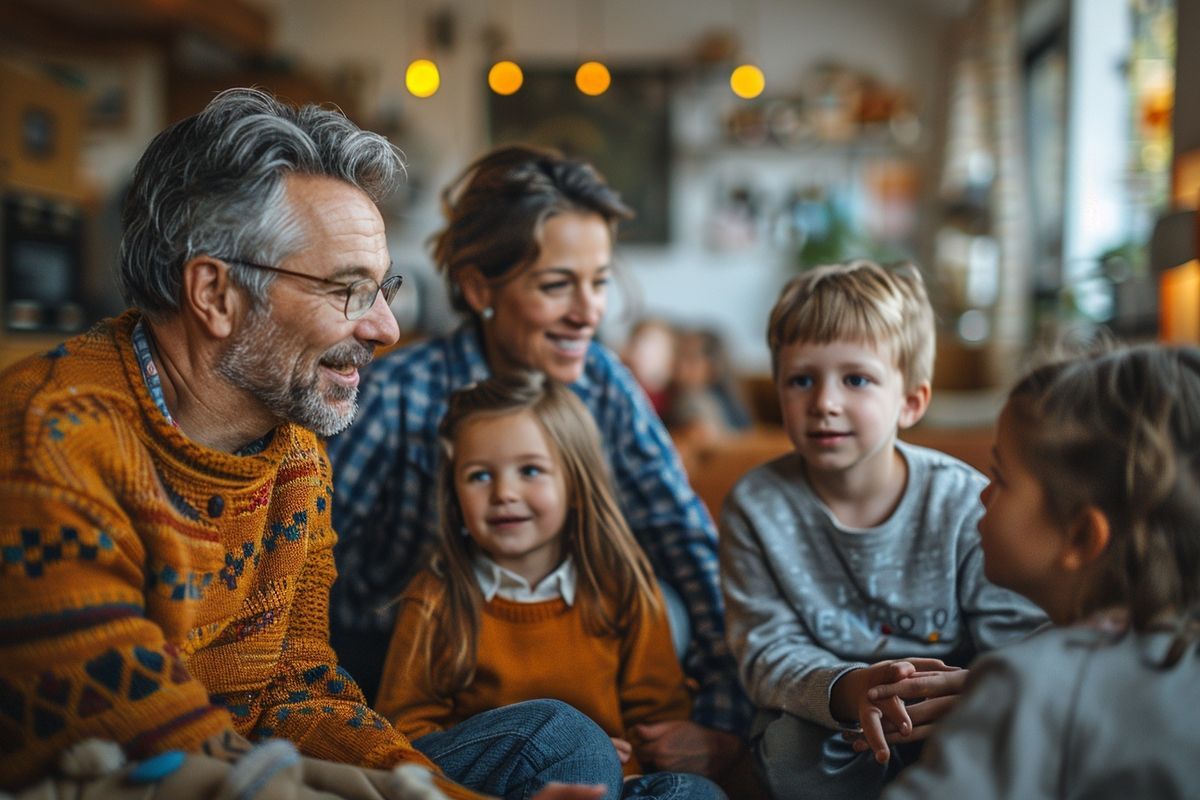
(155, 592)
(536, 650)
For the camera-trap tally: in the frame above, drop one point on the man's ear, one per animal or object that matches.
(476, 289)
(1087, 539)
(916, 402)
(210, 297)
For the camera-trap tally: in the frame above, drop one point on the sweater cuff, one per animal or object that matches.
(818, 694)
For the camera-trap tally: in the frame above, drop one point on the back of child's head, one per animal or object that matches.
(1120, 432)
(613, 574)
(859, 301)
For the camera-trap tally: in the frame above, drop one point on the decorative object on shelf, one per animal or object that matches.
(834, 95)
(41, 133)
(823, 228)
(736, 219)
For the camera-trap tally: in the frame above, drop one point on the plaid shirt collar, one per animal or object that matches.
(145, 357)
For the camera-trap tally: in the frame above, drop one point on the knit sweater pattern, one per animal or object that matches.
(536, 650)
(155, 592)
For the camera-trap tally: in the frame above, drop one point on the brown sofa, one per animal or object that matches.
(714, 468)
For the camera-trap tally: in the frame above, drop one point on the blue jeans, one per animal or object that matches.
(798, 758)
(671, 786)
(514, 751)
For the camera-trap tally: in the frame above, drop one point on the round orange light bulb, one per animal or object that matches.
(505, 77)
(592, 78)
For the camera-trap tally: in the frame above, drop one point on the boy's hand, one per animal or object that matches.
(935, 693)
(944, 682)
(850, 700)
(624, 749)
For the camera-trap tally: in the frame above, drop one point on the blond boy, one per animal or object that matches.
(854, 560)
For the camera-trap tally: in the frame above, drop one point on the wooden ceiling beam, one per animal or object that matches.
(233, 24)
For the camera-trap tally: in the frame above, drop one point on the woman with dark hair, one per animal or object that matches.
(527, 253)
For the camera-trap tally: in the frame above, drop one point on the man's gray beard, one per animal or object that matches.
(250, 362)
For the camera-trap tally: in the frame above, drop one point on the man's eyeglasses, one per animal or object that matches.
(360, 294)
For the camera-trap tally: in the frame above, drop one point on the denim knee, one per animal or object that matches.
(671, 786)
(563, 729)
(573, 742)
(514, 751)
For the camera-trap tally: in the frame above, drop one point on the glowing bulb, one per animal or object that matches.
(592, 78)
(747, 81)
(505, 77)
(422, 78)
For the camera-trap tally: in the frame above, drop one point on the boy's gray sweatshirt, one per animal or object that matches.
(808, 599)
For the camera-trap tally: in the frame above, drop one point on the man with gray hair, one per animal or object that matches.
(166, 546)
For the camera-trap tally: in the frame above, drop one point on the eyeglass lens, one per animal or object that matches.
(361, 295)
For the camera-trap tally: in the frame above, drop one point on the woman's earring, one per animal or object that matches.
(487, 313)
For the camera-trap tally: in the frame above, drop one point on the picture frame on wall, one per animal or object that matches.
(624, 133)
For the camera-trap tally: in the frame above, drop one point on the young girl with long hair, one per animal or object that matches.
(538, 588)
(1093, 512)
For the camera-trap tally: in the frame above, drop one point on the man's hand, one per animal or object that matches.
(685, 746)
(850, 700)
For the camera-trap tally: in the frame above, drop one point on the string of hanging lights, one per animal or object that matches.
(505, 77)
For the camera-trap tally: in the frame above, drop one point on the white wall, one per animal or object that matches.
(898, 40)
(1097, 211)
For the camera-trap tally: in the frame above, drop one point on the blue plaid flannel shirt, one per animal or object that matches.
(385, 511)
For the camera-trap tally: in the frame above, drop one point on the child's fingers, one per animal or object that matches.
(921, 684)
(624, 749)
(895, 714)
(929, 712)
(895, 672)
(930, 664)
(924, 717)
(872, 731)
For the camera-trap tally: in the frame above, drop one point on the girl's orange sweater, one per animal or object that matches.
(529, 651)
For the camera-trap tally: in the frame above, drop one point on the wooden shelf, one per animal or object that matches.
(86, 26)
